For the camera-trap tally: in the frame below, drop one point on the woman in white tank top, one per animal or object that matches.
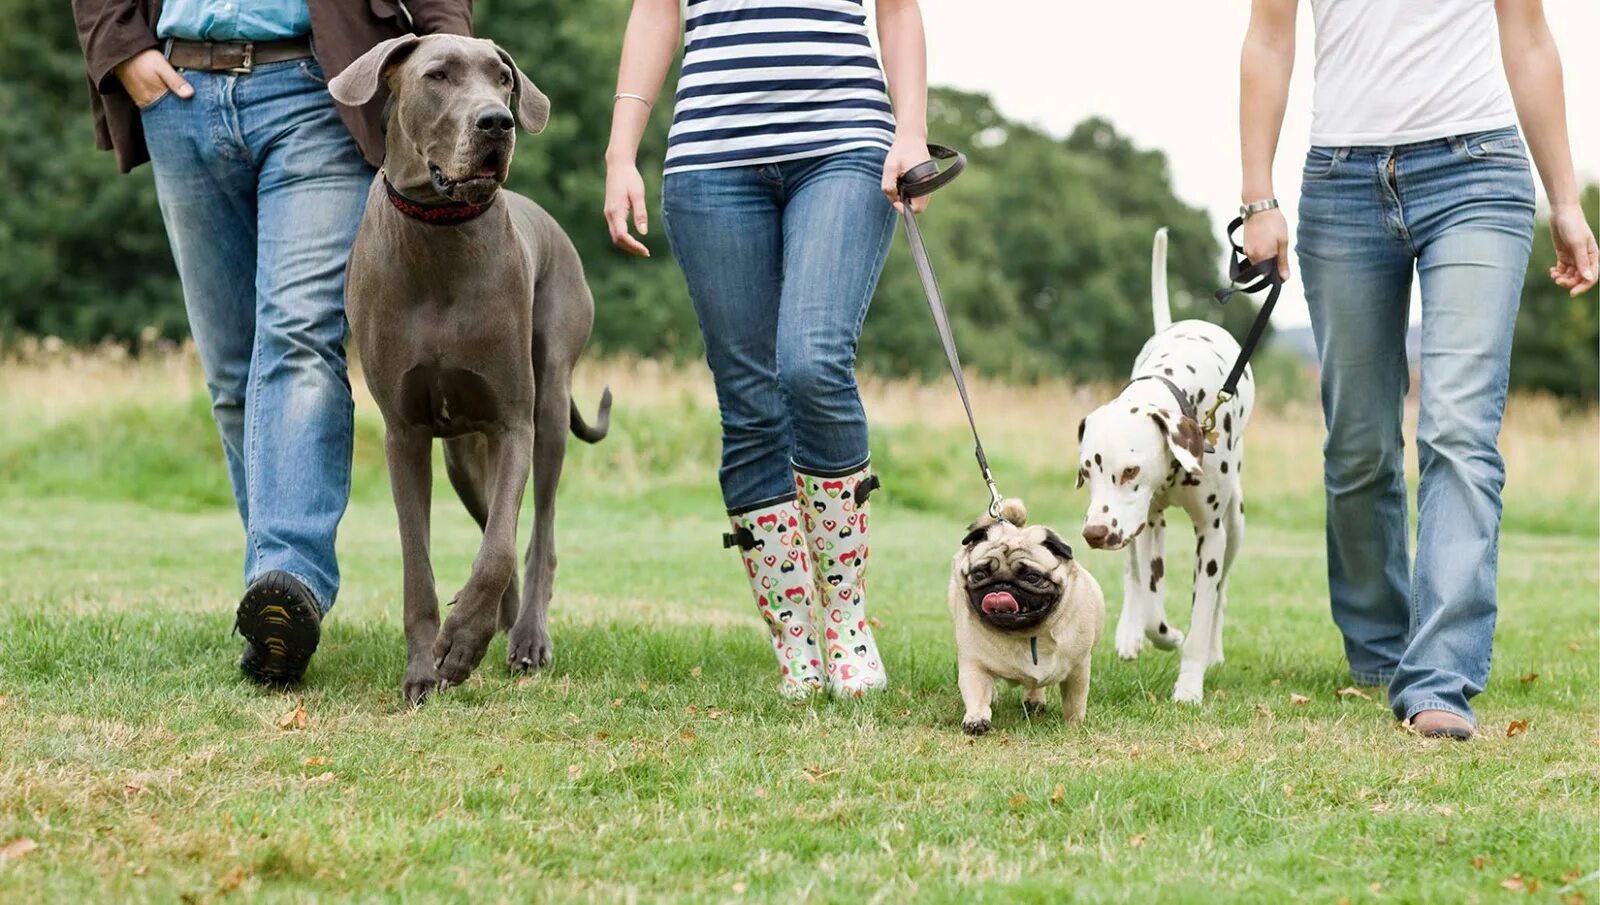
(1416, 167)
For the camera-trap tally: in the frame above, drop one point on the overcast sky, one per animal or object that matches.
(1166, 73)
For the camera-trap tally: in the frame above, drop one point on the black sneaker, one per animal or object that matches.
(281, 625)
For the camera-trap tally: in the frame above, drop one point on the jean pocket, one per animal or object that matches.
(312, 70)
(1320, 163)
(1501, 145)
(155, 102)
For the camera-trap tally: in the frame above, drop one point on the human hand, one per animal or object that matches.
(906, 152)
(1266, 235)
(1577, 260)
(624, 196)
(147, 75)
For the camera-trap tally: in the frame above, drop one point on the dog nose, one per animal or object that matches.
(495, 120)
(1095, 534)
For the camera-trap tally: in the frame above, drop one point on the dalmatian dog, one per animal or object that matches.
(1146, 451)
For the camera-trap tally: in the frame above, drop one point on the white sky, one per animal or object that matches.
(1166, 73)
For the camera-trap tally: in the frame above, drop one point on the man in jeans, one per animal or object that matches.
(262, 181)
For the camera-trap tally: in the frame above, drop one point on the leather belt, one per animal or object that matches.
(233, 56)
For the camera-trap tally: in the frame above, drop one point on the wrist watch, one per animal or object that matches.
(1256, 207)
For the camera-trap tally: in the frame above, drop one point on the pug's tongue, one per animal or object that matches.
(1000, 602)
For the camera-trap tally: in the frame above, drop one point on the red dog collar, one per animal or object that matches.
(448, 214)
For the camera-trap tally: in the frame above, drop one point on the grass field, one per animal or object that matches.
(654, 761)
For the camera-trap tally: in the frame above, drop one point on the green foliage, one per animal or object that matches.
(1557, 345)
(1042, 248)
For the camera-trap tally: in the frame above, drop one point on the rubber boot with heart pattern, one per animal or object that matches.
(774, 552)
(835, 514)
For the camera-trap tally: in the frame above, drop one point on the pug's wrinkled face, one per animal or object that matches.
(1014, 576)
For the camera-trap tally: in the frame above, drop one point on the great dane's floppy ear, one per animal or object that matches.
(359, 81)
(1054, 543)
(533, 108)
(1185, 440)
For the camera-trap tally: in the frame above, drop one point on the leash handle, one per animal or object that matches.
(924, 179)
(1246, 276)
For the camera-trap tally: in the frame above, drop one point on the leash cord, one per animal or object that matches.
(924, 179)
(1259, 275)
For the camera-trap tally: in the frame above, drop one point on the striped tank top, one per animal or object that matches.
(770, 80)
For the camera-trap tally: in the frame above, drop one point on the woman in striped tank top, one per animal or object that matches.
(778, 204)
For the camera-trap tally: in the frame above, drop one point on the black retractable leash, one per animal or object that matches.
(1259, 275)
(925, 179)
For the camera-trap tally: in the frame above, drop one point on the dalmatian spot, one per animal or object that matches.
(1216, 523)
(1224, 468)
(1158, 568)
(1211, 568)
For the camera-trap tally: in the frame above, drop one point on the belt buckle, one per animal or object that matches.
(248, 64)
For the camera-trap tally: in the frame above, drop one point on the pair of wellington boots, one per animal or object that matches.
(806, 559)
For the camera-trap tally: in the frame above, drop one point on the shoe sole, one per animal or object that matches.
(282, 625)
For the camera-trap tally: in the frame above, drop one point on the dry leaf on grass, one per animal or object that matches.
(1478, 861)
(1136, 840)
(132, 789)
(874, 621)
(574, 771)
(1057, 793)
(686, 735)
(1574, 899)
(1298, 700)
(295, 719)
(141, 870)
(17, 848)
(1516, 728)
(321, 779)
(1529, 678)
(602, 735)
(1353, 692)
(1574, 646)
(315, 762)
(524, 681)
(739, 888)
(1514, 883)
(812, 774)
(644, 686)
(1018, 801)
(1571, 875)
(230, 881)
(1263, 709)
(694, 673)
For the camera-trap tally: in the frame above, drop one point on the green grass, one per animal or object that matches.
(654, 760)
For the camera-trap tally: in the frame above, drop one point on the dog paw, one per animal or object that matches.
(1165, 637)
(528, 648)
(975, 726)
(1129, 648)
(1188, 692)
(420, 681)
(1033, 702)
(460, 648)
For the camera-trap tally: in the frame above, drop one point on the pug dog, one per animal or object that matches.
(1024, 611)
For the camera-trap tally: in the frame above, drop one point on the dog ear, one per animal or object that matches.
(533, 108)
(1186, 442)
(976, 532)
(359, 81)
(1083, 474)
(1054, 543)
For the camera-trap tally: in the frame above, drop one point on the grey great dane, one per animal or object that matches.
(469, 307)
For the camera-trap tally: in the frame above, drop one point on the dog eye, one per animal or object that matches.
(437, 75)
(1128, 474)
(1030, 576)
(505, 79)
(979, 574)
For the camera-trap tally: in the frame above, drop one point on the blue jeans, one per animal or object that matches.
(262, 188)
(781, 260)
(1459, 212)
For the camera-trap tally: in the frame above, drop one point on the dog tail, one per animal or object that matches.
(602, 422)
(1160, 307)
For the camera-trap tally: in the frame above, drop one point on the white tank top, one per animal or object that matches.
(1392, 72)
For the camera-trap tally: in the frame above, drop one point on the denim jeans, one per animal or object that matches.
(262, 188)
(1459, 212)
(781, 261)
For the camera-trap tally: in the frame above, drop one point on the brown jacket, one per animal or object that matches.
(111, 31)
